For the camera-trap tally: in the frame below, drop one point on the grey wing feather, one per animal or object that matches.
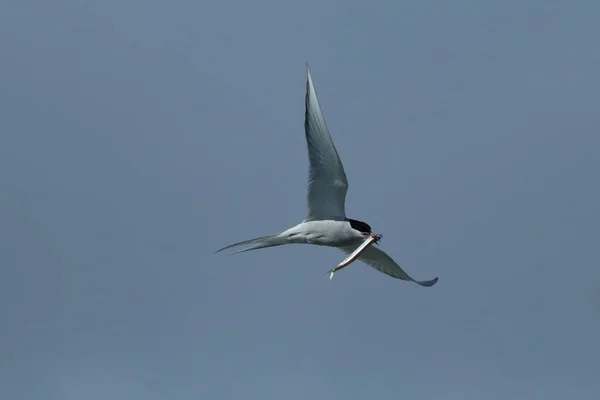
(327, 183)
(379, 260)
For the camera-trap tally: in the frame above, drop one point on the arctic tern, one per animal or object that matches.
(326, 223)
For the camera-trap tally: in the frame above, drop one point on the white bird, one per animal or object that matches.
(326, 223)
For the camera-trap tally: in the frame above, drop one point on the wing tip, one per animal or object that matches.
(222, 249)
(428, 283)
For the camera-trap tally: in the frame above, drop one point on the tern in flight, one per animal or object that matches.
(326, 223)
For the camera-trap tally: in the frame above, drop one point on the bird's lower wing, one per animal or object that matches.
(379, 260)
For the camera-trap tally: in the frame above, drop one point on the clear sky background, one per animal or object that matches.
(138, 137)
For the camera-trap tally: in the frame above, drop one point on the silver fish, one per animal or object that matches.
(355, 254)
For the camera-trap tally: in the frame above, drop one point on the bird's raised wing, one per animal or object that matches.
(379, 260)
(327, 184)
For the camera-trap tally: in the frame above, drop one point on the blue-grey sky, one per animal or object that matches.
(137, 137)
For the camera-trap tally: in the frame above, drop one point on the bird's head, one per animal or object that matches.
(360, 226)
(364, 229)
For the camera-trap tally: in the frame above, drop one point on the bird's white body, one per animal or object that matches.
(326, 223)
(324, 233)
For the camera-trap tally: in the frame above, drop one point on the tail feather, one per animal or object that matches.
(256, 243)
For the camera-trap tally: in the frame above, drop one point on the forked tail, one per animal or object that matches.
(256, 243)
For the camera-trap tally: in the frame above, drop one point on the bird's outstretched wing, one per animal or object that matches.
(379, 260)
(327, 183)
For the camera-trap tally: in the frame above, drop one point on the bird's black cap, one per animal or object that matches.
(360, 226)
